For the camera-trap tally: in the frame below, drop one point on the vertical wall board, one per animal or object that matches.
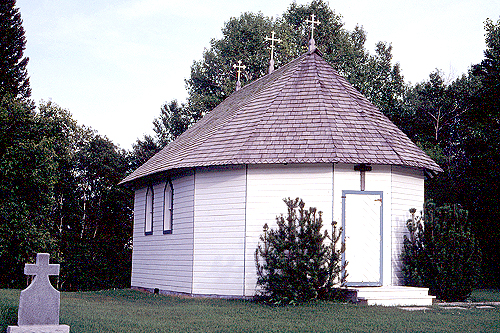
(219, 230)
(267, 186)
(407, 192)
(137, 235)
(165, 261)
(379, 179)
(345, 178)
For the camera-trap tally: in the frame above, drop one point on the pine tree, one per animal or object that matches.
(297, 261)
(14, 80)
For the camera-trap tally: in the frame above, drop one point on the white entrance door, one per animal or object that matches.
(362, 221)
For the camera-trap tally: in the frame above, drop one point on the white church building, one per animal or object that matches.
(300, 131)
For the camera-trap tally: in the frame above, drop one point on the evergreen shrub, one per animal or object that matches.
(441, 252)
(297, 261)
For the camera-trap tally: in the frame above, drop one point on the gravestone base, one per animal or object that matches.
(38, 329)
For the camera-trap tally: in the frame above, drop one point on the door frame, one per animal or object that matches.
(381, 194)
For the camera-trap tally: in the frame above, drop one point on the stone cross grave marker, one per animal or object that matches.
(39, 303)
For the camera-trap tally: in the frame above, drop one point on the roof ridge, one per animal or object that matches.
(329, 91)
(355, 97)
(259, 91)
(286, 72)
(373, 117)
(364, 114)
(329, 115)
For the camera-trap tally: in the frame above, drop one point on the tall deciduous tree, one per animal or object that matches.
(458, 124)
(59, 194)
(488, 71)
(213, 78)
(142, 150)
(174, 119)
(96, 241)
(14, 79)
(28, 176)
(436, 109)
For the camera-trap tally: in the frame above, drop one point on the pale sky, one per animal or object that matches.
(114, 63)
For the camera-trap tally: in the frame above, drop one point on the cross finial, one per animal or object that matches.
(272, 39)
(312, 44)
(239, 67)
(313, 22)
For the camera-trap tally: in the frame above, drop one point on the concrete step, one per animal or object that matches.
(394, 296)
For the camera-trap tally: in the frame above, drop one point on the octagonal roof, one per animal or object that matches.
(304, 112)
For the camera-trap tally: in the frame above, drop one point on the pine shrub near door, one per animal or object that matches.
(441, 253)
(297, 262)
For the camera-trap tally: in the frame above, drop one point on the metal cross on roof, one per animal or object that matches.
(272, 39)
(313, 22)
(312, 43)
(239, 67)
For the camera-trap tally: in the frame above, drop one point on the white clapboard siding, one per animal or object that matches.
(268, 185)
(407, 192)
(219, 230)
(165, 261)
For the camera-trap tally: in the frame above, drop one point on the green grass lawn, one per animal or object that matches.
(133, 311)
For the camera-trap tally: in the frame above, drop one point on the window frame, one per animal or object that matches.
(168, 211)
(149, 196)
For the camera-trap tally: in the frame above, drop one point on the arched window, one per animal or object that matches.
(168, 207)
(148, 226)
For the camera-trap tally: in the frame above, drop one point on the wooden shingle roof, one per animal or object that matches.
(304, 112)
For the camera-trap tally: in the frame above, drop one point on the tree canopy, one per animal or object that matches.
(59, 194)
(458, 124)
(213, 78)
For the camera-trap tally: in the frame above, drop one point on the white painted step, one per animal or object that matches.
(394, 296)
